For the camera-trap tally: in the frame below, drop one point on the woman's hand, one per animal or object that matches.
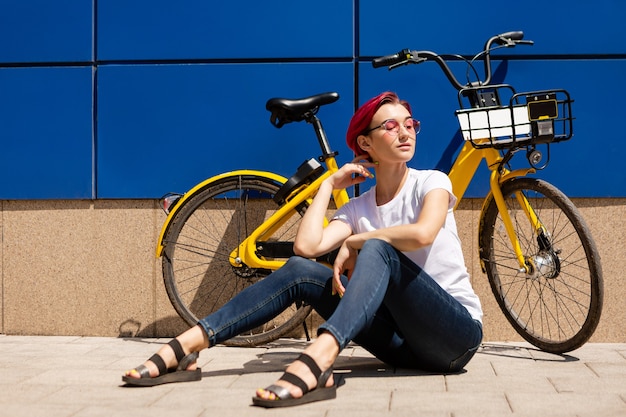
(313, 239)
(344, 262)
(352, 173)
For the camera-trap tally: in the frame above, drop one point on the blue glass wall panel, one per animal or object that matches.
(46, 31)
(200, 29)
(558, 27)
(46, 133)
(164, 128)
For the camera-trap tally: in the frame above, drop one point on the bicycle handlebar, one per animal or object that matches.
(406, 56)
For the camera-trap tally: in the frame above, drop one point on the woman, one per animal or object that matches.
(398, 287)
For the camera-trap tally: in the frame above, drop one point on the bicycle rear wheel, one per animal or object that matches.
(557, 305)
(197, 272)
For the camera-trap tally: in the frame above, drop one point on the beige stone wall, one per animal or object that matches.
(88, 268)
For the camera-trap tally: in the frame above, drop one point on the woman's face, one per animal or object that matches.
(392, 135)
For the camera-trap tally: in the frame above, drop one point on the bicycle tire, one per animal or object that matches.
(558, 305)
(197, 273)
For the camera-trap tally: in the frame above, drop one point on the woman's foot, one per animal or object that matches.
(311, 372)
(167, 355)
(174, 362)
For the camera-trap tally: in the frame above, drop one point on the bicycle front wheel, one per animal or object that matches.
(197, 272)
(555, 304)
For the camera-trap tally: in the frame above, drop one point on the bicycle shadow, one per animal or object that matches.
(523, 351)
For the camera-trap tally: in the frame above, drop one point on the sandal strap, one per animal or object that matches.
(322, 377)
(160, 364)
(294, 380)
(299, 382)
(143, 371)
(181, 358)
(177, 348)
(280, 392)
(187, 360)
(310, 363)
(321, 382)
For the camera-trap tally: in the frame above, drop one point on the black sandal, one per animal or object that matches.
(177, 374)
(283, 396)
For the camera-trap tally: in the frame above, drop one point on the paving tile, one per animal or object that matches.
(584, 386)
(531, 367)
(15, 374)
(600, 352)
(25, 393)
(351, 398)
(73, 376)
(498, 384)
(389, 381)
(108, 397)
(39, 410)
(126, 411)
(474, 403)
(567, 404)
(607, 369)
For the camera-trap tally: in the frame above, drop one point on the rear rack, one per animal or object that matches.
(530, 118)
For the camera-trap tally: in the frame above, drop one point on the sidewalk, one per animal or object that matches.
(81, 376)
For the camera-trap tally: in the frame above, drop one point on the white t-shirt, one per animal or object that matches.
(443, 260)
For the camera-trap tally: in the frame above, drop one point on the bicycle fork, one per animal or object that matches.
(527, 265)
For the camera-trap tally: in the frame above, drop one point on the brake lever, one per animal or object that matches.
(506, 42)
(412, 60)
(399, 64)
(509, 43)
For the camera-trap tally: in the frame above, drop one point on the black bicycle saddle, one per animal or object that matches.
(285, 110)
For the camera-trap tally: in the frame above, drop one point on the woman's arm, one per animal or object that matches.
(413, 236)
(313, 238)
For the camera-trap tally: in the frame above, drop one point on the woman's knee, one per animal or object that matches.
(377, 246)
(377, 250)
(296, 262)
(300, 269)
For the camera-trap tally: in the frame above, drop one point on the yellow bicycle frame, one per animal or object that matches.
(245, 253)
(463, 171)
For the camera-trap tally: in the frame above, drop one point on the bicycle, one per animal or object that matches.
(535, 247)
(538, 254)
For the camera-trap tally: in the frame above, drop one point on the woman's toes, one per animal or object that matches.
(132, 373)
(265, 394)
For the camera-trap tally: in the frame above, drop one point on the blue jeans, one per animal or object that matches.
(391, 307)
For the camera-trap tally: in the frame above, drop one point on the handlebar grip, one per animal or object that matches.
(387, 60)
(509, 39)
(517, 35)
